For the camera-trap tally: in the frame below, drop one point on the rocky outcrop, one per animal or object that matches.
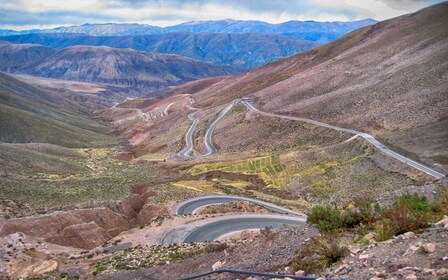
(85, 228)
(86, 235)
(89, 228)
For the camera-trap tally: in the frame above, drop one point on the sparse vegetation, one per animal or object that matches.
(269, 168)
(54, 180)
(150, 256)
(325, 217)
(407, 213)
(319, 253)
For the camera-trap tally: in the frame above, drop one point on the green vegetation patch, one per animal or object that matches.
(270, 168)
(409, 212)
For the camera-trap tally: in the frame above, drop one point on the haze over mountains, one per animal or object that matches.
(321, 32)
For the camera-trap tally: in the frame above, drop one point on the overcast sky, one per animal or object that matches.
(27, 14)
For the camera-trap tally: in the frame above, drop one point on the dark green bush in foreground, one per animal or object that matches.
(325, 217)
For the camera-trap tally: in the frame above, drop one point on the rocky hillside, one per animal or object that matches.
(104, 65)
(246, 50)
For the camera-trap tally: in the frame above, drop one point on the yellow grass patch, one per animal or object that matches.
(197, 185)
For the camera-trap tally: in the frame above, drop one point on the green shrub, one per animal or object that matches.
(325, 217)
(409, 213)
(415, 203)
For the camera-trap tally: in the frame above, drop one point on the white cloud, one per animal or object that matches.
(376, 9)
(164, 13)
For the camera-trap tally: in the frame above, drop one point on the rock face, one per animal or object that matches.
(89, 228)
(86, 228)
(86, 235)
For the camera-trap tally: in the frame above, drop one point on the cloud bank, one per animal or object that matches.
(28, 14)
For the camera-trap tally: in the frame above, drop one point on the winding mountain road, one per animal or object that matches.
(191, 206)
(216, 227)
(186, 152)
(366, 136)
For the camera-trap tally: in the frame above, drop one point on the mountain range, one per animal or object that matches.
(246, 50)
(321, 32)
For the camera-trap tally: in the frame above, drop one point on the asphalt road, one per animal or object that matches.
(214, 230)
(215, 227)
(188, 149)
(191, 206)
(186, 152)
(366, 136)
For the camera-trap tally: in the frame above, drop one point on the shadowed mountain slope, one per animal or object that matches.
(321, 32)
(14, 56)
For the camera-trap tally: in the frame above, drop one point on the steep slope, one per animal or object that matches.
(14, 57)
(31, 115)
(389, 79)
(242, 50)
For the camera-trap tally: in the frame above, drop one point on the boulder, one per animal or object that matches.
(363, 258)
(429, 248)
(408, 235)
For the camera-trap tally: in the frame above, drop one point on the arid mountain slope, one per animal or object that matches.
(389, 79)
(104, 65)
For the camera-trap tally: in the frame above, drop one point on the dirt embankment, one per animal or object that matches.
(89, 228)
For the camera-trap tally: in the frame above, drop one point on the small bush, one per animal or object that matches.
(414, 203)
(325, 217)
(319, 253)
(409, 213)
(215, 247)
(384, 229)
